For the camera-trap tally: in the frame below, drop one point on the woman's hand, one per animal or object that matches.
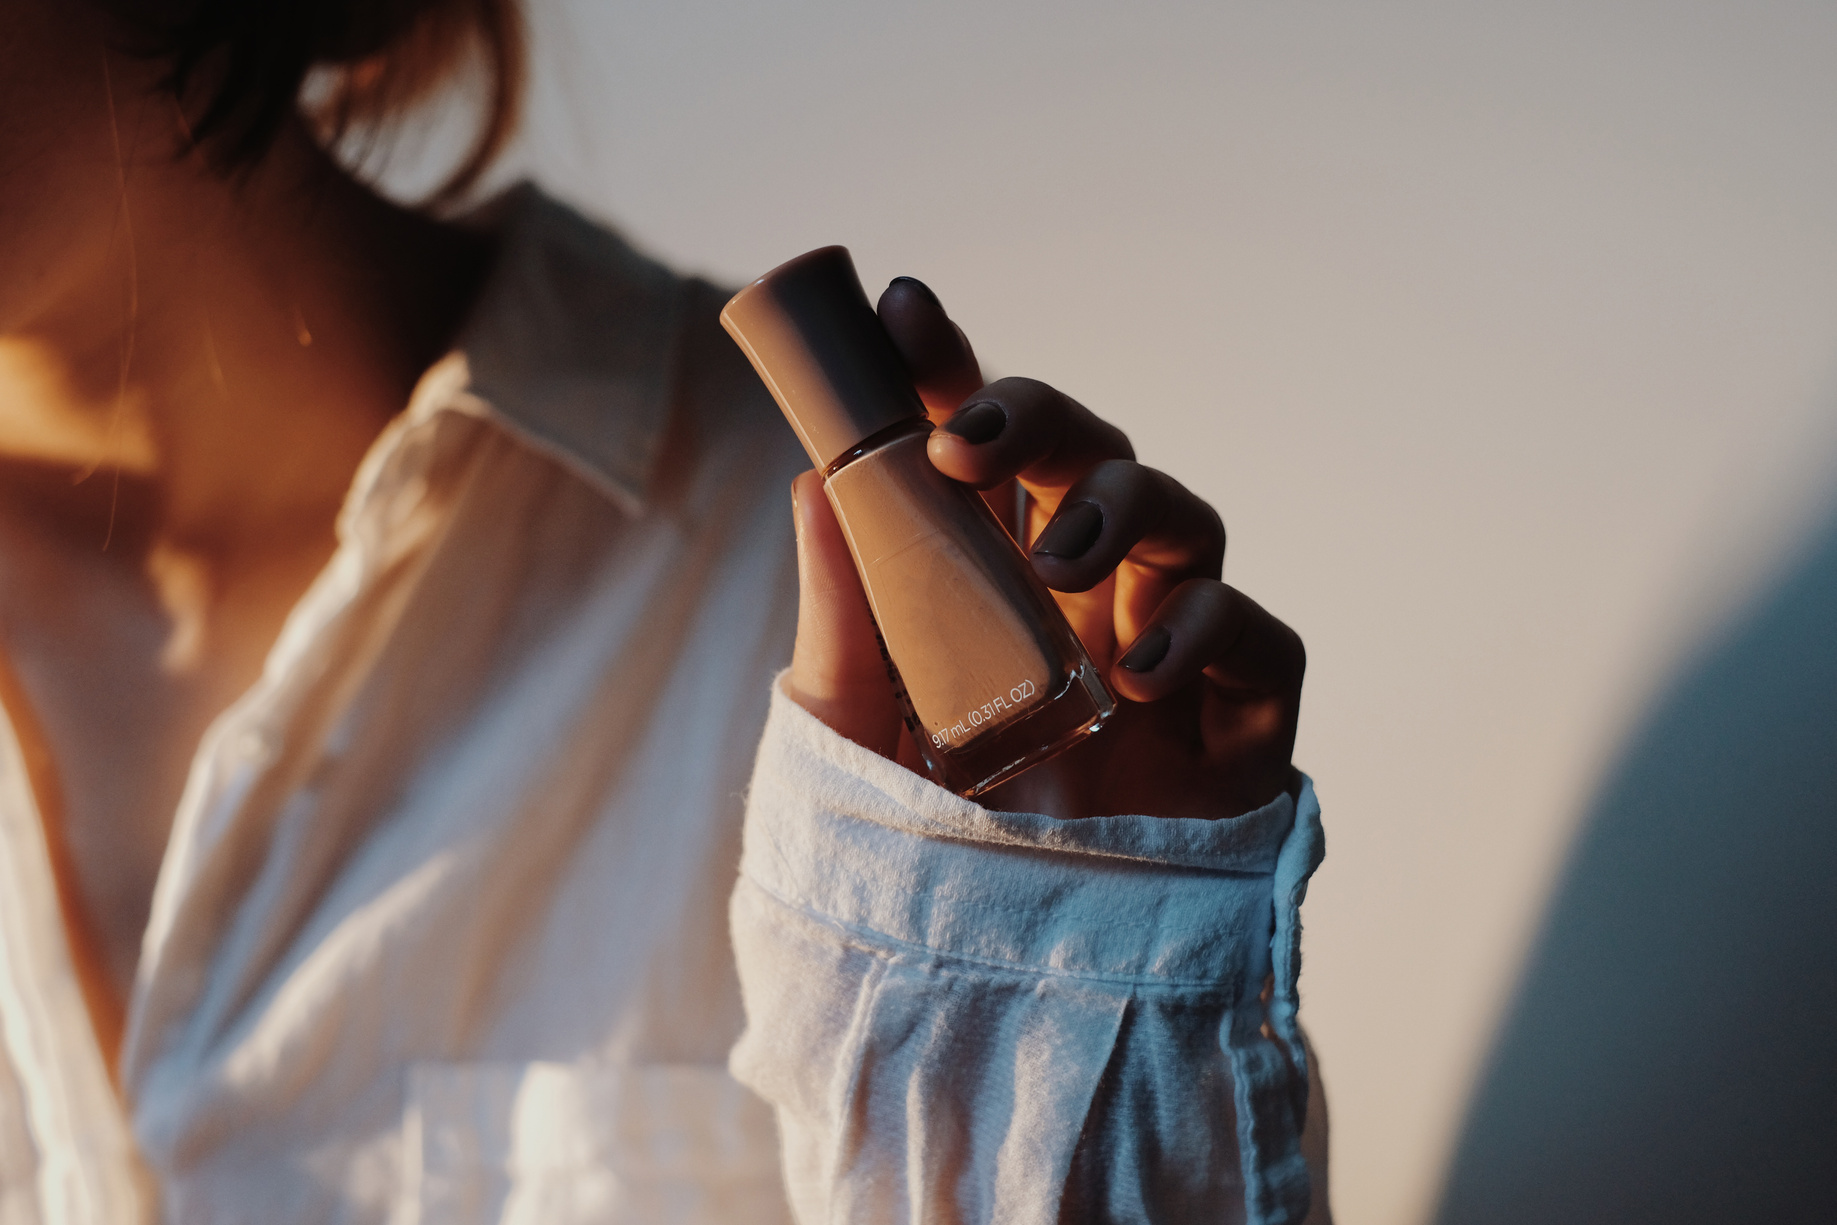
(1210, 683)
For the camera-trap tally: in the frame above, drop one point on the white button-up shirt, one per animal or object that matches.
(443, 930)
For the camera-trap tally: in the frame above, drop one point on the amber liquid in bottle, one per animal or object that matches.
(990, 677)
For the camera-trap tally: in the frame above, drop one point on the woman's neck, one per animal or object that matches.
(191, 369)
(234, 343)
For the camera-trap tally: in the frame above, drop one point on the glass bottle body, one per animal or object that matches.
(990, 677)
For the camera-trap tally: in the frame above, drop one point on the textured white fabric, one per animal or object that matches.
(1025, 1020)
(442, 931)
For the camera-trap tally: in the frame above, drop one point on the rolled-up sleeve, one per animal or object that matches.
(965, 1016)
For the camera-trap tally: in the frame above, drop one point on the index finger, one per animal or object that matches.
(1012, 428)
(936, 352)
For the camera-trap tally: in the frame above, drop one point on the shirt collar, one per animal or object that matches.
(572, 342)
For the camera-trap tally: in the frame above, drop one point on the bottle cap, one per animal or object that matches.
(810, 333)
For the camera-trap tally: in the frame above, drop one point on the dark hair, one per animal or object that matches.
(236, 67)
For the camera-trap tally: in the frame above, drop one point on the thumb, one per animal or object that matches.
(837, 673)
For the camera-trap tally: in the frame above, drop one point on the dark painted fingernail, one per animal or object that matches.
(1072, 531)
(1149, 650)
(978, 422)
(919, 285)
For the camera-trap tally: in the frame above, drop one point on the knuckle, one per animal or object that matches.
(1285, 654)
(1034, 428)
(1060, 416)
(1199, 519)
(1021, 395)
(1297, 652)
(1202, 510)
(1099, 435)
(1207, 601)
(1213, 524)
(1122, 480)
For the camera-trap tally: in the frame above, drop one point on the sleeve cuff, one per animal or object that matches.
(861, 844)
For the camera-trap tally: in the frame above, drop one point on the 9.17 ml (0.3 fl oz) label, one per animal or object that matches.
(991, 711)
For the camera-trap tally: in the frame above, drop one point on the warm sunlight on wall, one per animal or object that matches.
(1505, 342)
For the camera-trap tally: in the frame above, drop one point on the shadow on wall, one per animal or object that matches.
(1672, 1052)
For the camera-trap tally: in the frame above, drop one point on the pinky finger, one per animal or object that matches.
(1205, 626)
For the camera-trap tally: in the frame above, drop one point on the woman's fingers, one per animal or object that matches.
(1107, 516)
(1104, 510)
(938, 355)
(1250, 701)
(1141, 525)
(1023, 428)
(1012, 427)
(1204, 626)
(1121, 510)
(837, 672)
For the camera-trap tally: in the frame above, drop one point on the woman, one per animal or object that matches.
(392, 607)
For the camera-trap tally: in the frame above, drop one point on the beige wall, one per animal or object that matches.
(1504, 340)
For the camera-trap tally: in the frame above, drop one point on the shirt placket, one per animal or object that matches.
(230, 789)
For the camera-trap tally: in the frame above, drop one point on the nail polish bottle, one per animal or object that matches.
(990, 677)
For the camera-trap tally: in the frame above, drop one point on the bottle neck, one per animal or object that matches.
(878, 439)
